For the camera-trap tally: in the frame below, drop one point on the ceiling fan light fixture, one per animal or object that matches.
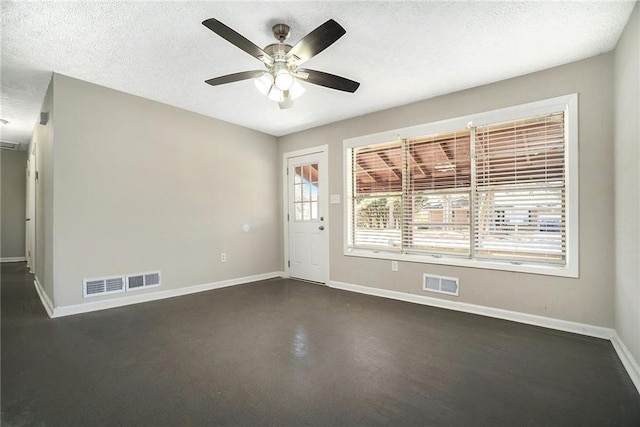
(296, 89)
(264, 83)
(286, 103)
(284, 80)
(275, 94)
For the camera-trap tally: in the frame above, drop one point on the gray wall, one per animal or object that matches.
(41, 146)
(12, 205)
(588, 299)
(627, 184)
(141, 186)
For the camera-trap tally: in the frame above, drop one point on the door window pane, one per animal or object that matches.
(305, 192)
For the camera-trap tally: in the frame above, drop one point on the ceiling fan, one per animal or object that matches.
(280, 80)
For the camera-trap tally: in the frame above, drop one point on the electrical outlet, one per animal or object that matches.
(223, 257)
(394, 265)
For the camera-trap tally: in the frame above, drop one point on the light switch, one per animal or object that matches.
(334, 198)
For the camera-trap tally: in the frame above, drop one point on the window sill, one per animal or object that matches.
(550, 270)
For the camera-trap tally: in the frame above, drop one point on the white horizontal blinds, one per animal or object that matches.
(437, 189)
(520, 190)
(305, 192)
(377, 190)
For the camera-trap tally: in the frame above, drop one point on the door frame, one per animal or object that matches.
(323, 152)
(30, 210)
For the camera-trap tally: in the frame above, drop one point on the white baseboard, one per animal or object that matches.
(44, 298)
(157, 295)
(627, 360)
(13, 259)
(530, 319)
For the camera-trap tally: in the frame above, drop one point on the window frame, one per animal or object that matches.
(566, 103)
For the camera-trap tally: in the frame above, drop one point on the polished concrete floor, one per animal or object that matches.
(281, 352)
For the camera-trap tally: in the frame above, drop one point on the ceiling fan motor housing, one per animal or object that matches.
(278, 51)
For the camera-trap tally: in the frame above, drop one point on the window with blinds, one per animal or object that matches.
(377, 194)
(437, 193)
(520, 190)
(493, 192)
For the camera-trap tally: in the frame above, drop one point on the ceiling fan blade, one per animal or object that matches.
(327, 80)
(237, 39)
(235, 77)
(316, 41)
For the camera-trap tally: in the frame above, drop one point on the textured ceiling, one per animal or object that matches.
(400, 52)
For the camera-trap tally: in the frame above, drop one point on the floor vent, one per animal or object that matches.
(143, 280)
(440, 284)
(102, 286)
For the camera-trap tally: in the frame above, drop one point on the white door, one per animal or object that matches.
(308, 234)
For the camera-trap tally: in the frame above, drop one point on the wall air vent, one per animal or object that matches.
(440, 284)
(8, 145)
(143, 280)
(102, 286)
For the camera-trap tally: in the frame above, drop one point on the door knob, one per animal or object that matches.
(321, 228)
